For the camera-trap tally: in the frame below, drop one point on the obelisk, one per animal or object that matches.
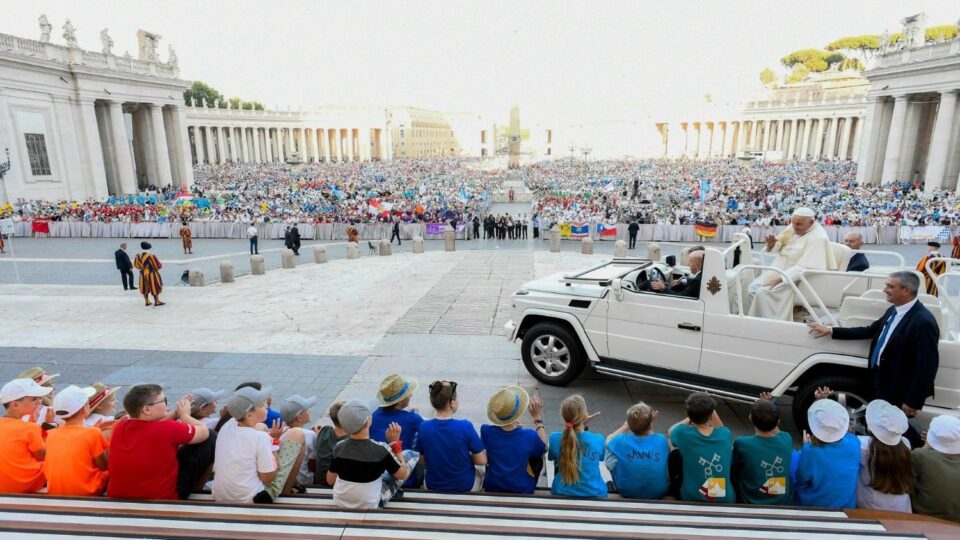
(514, 137)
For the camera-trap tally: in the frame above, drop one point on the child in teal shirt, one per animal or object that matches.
(577, 453)
(707, 450)
(761, 462)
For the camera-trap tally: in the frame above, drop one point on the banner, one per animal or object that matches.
(925, 234)
(438, 228)
(41, 226)
(705, 229)
(606, 231)
(575, 230)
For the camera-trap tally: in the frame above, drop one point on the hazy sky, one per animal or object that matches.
(551, 57)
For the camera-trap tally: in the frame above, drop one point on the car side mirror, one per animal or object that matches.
(671, 260)
(617, 286)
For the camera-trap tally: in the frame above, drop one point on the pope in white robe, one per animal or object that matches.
(803, 245)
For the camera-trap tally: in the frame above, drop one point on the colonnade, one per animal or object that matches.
(809, 137)
(266, 144)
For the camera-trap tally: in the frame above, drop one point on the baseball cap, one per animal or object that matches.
(355, 413)
(203, 397)
(21, 388)
(245, 399)
(886, 422)
(292, 406)
(829, 421)
(70, 400)
(944, 434)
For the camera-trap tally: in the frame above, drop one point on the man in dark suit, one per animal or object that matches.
(632, 230)
(295, 239)
(904, 355)
(689, 287)
(125, 267)
(396, 231)
(859, 262)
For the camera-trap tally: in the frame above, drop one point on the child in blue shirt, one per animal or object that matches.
(637, 457)
(514, 453)
(828, 465)
(449, 448)
(762, 461)
(394, 399)
(577, 453)
(707, 450)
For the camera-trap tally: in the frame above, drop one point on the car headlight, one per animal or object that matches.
(521, 291)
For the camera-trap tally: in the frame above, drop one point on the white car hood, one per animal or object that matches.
(554, 284)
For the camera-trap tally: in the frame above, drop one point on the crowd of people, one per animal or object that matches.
(441, 189)
(257, 448)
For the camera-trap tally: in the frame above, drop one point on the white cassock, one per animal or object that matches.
(795, 254)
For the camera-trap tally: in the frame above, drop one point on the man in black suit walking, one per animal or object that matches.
(858, 262)
(125, 267)
(396, 232)
(632, 229)
(904, 354)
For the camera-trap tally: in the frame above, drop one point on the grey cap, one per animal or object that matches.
(245, 399)
(355, 413)
(203, 397)
(292, 406)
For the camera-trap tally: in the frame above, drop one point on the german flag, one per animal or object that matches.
(706, 229)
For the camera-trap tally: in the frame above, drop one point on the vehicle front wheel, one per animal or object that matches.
(552, 354)
(851, 392)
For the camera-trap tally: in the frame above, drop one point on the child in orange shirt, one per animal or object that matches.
(21, 443)
(76, 461)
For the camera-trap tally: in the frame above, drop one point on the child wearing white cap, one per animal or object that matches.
(829, 462)
(21, 443)
(76, 461)
(886, 474)
(937, 470)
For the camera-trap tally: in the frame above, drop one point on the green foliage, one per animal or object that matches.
(767, 76)
(815, 60)
(941, 33)
(237, 103)
(200, 91)
(800, 73)
(869, 42)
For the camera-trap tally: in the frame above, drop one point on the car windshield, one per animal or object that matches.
(610, 270)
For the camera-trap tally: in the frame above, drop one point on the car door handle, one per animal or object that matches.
(688, 326)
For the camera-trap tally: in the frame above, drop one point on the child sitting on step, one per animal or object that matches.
(577, 453)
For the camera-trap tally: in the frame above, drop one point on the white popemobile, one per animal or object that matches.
(606, 315)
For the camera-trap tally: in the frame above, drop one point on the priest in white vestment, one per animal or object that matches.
(803, 245)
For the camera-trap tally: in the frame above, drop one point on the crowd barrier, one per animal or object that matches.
(890, 234)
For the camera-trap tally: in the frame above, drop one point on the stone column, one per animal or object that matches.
(178, 114)
(831, 138)
(332, 136)
(857, 129)
(844, 138)
(780, 132)
(792, 141)
(696, 150)
(211, 153)
(246, 146)
(711, 132)
(268, 143)
(364, 144)
(754, 135)
(891, 157)
(868, 150)
(805, 142)
(742, 136)
(222, 143)
(818, 139)
(97, 173)
(940, 141)
(766, 135)
(318, 143)
(160, 150)
(283, 145)
(256, 145)
(303, 144)
(198, 144)
(121, 149)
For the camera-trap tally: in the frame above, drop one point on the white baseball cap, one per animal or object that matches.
(70, 400)
(886, 422)
(21, 388)
(829, 421)
(944, 434)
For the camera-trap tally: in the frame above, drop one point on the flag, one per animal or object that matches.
(606, 231)
(579, 230)
(706, 229)
(704, 191)
(564, 229)
(464, 196)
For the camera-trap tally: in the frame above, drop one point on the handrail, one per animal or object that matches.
(784, 280)
(733, 245)
(953, 308)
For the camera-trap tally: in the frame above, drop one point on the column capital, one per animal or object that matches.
(948, 91)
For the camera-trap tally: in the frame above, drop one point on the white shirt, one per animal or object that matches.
(242, 452)
(252, 231)
(899, 313)
(867, 497)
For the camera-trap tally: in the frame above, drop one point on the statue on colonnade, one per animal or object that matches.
(107, 42)
(148, 45)
(70, 35)
(45, 29)
(172, 59)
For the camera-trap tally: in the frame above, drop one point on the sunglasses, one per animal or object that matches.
(164, 401)
(440, 386)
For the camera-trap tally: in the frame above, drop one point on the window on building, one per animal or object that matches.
(37, 152)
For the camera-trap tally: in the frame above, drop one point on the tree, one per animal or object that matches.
(941, 33)
(866, 45)
(813, 59)
(200, 91)
(767, 76)
(800, 73)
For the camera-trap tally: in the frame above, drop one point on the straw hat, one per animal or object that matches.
(39, 375)
(100, 393)
(506, 406)
(395, 388)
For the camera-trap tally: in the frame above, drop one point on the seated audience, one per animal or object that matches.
(706, 447)
(143, 449)
(577, 453)
(273, 421)
(937, 470)
(829, 462)
(295, 412)
(247, 469)
(394, 396)
(205, 405)
(102, 404)
(46, 418)
(22, 447)
(514, 453)
(886, 471)
(76, 461)
(365, 474)
(637, 457)
(449, 448)
(327, 439)
(762, 461)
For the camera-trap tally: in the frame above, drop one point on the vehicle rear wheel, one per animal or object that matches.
(849, 391)
(552, 354)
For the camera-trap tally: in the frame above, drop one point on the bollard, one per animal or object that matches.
(586, 246)
(449, 239)
(653, 252)
(685, 257)
(286, 259)
(385, 248)
(352, 250)
(257, 266)
(620, 249)
(195, 277)
(418, 244)
(555, 240)
(226, 272)
(319, 254)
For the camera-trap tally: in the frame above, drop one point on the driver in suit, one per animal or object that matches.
(690, 286)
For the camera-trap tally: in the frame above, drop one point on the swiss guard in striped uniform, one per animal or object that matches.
(150, 281)
(955, 254)
(937, 267)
